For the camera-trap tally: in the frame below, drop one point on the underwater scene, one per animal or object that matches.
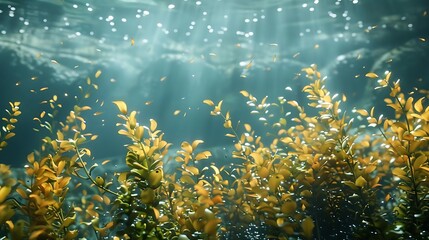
(214, 119)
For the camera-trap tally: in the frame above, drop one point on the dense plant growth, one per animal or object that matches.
(310, 171)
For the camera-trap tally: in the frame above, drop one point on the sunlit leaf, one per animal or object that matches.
(121, 106)
(208, 102)
(153, 125)
(186, 147)
(371, 75)
(203, 155)
(195, 143)
(418, 106)
(259, 160)
(244, 93)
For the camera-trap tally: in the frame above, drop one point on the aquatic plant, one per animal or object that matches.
(305, 170)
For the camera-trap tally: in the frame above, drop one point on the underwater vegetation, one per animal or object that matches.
(310, 171)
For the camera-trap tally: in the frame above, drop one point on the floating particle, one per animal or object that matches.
(97, 74)
(34, 78)
(274, 58)
(422, 39)
(132, 42)
(296, 55)
(316, 46)
(249, 65)
(97, 113)
(274, 44)
(17, 83)
(177, 112)
(212, 54)
(147, 103)
(54, 61)
(163, 79)
(44, 89)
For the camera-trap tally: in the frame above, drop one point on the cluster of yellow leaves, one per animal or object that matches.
(7, 182)
(406, 137)
(10, 121)
(264, 188)
(197, 195)
(45, 197)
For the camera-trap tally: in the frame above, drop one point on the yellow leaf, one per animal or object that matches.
(83, 126)
(409, 103)
(418, 105)
(362, 112)
(203, 155)
(263, 172)
(97, 74)
(195, 171)
(360, 181)
(247, 127)
(122, 106)
(187, 147)
(370, 169)
(388, 76)
(22, 193)
(187, 179)
(210, 228)
(289, 207)
(371, 75)
(60, 167)
(244, 93)
(153, 125)
(307, 226)
(399, 172)
(259, 160)
(195, 143)
(420, 161)
(155, 178)
(208, 102)
(9, 135)
(274, 182)
(4, 192)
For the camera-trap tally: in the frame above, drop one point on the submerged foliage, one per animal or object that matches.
(309, 171)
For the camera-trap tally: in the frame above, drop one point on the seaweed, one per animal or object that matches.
(304, 170)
